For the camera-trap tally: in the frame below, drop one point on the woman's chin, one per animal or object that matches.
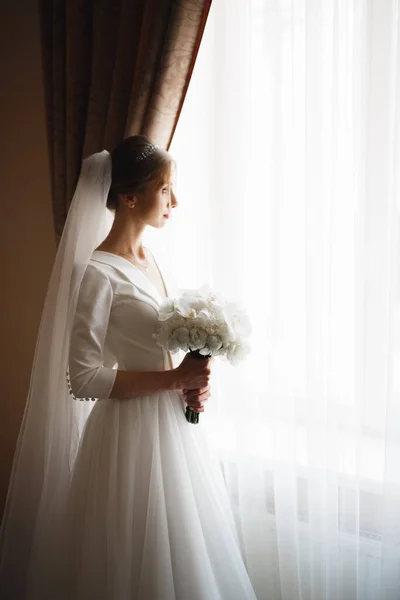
(159, 224)
(164, 221)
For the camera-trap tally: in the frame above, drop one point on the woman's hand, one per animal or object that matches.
(197, 398)
(193, 373)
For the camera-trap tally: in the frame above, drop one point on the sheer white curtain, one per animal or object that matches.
(288, 179)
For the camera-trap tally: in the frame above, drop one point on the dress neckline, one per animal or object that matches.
(139, 270)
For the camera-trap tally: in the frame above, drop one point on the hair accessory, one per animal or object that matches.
(146, 153)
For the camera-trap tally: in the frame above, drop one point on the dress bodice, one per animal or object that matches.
(115, 320)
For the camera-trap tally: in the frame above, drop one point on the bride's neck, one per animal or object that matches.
(125, 237)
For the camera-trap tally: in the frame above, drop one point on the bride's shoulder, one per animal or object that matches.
(95, 274)
(95, 288)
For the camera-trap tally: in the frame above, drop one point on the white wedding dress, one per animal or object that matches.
(148, 514)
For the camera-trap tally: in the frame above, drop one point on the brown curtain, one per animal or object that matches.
(113, 68)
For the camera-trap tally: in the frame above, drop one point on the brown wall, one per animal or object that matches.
(27, 245)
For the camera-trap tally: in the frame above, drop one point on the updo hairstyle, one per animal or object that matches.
(134, 165)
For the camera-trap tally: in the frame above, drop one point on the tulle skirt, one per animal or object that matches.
(148, 515)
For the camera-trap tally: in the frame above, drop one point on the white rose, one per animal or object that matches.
(173, 345)
(205, 351)
(212, 327)
(214, 342)
(181, 335)
(225, 333)
(198, 338)
(175, 322)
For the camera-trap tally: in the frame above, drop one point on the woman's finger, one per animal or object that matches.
(195, 395)
(197, 408)
(198, 391)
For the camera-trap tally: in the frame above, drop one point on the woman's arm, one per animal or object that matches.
(190, 374)
(89, 378)
(129, 384)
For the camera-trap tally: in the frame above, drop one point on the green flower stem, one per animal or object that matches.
(192, 416)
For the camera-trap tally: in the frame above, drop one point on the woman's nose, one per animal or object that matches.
(174, 201)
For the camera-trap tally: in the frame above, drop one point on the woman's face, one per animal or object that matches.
(156, 202)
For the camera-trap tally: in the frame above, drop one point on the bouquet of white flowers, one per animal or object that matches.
(205, 325)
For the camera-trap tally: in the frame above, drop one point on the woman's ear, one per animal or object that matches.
(128, 199)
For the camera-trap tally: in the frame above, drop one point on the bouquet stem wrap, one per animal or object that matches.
(191, 415)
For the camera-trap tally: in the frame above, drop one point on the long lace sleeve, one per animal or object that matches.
(88, 377)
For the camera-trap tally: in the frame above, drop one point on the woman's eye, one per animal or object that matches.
(164, 190)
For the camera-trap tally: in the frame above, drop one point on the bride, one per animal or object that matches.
(120, 497)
